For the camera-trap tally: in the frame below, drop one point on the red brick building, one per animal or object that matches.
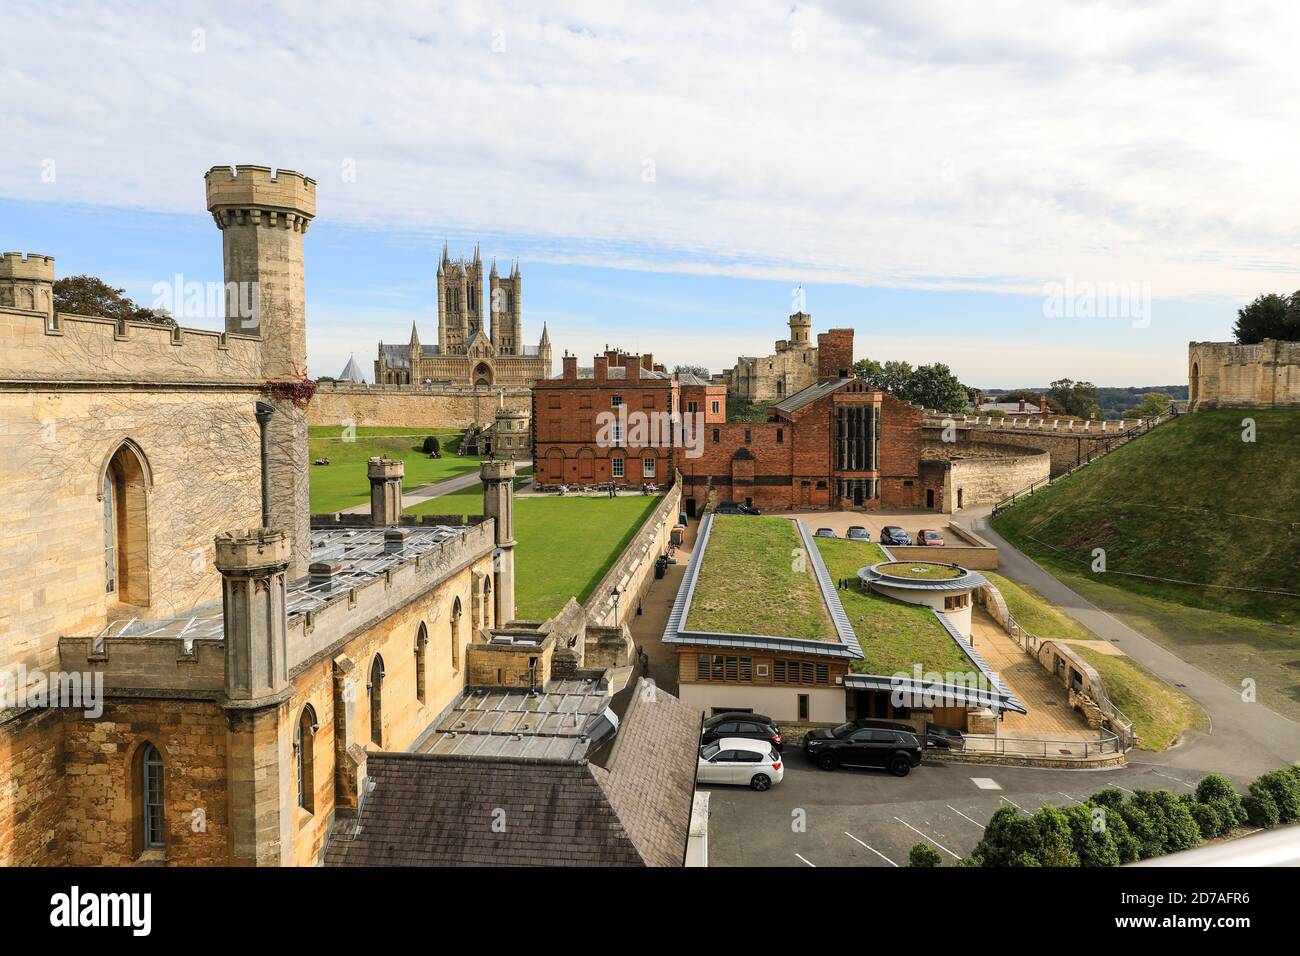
(836, 444)
(584, 431)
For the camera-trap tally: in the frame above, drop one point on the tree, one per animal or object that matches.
(1261, 808)
(1285, 791)
(697, 370)
(1151, 405)
(1075, 398)
(930, 386)
(922, 854)
(1269, 316)
(431, 446)
(88, 295)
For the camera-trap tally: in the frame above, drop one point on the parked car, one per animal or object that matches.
(851, 745)
(892, 534)
(741, 761)
(825, 533)
(736, 508)
(943, 738)
(741, 724)
(929, 538)
(858, 533)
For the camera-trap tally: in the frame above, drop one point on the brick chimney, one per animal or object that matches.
(633, 366)
(601, 371)
(834, 354)
(570, 368)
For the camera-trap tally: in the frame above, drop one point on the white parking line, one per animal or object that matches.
(813, 865)
(1068, 797)
(1013, 803)
(871, 848)
(986, 783)
(962, 815)
(1174, 779)
(931, 839)
(1118, 787)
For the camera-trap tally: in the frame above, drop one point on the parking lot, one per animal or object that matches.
(871, 818)
(910, 520)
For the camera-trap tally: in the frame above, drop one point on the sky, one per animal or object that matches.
(1023, 191)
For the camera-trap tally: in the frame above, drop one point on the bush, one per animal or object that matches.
(1285, 790)
(1009, 838)
(922, 854)
(1217, 791)
(1145, 832)
(431, 446)
(1055, 838)
(1094, 843)
(1261, 808)
(1208, 819)
(1110, 798)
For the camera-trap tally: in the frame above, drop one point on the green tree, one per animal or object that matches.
(1216, 791)
(930, 386)
(1011, 839)
(1269, 316)
(698, 370)
(88, 295)
(1261, 808)
(1075, 398)
(1093, 842)
(1055, 838)
(1151, 405)
(922, 854)
(1285, 790)
(431, 445)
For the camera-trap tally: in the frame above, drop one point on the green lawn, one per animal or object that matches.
(1193, 501)
(755, 578)
(343, 483)
(1160, 713)
(894, 636)
(922, 571)
(565, 545)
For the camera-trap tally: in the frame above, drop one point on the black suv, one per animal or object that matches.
(736, 508)
(855, 745)
(741, 724)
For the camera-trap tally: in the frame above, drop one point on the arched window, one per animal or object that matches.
(487, 601)
(1195, 390)
(376, 701)
(421, 641)
(455, 635)
(306, 747)
(149, 806)
(124, 480)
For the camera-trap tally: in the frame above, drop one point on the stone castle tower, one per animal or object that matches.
(27, 282)
(263, 216)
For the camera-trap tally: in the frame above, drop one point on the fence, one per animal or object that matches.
(1106, 744)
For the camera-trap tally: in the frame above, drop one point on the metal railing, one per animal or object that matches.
(1094, 452)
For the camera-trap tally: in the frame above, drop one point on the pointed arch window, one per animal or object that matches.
(123, 492)
(455, 635)
(150, 782)
(487, 601)
(305, 744)
(376, 688)
(421, 643)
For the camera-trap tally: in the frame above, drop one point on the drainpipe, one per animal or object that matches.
(264, 412)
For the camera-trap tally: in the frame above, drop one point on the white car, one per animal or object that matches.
(740, 760)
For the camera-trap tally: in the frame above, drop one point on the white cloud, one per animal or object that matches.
(991, 145)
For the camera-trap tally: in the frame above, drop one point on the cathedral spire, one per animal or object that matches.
(415, 337)
(546, 336)
(494, 267)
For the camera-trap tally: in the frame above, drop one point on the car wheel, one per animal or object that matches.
(900, 767)
(760, 782)
(828, 761)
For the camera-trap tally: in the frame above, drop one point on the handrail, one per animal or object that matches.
(1106, 743)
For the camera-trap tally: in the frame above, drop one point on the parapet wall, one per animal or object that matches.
(1225, 374)
(448, 406)
(75, 348)
(982, 473)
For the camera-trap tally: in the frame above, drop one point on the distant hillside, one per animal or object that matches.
(1112, 399)
(1190, 501)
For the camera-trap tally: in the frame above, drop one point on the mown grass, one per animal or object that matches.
(894, 636)
(343, 483)
(1160, 713)
(921, 571)
(564, 545)
(755, 578)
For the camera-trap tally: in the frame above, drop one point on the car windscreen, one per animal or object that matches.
(709, 751)
(843, 730)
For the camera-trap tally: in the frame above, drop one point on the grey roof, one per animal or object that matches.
(810, 393)
(967, 581)
(845, 646)
(617, 372)
(456, 810)
(690, 378)
(351, 372)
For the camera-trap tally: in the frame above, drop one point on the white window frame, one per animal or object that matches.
(616, 467)
(647, 467)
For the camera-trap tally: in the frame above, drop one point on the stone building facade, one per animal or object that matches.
(468, 351)
(193, 672)
(770, 378)
(1224, 374)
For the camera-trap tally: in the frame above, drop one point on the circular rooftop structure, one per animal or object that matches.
(922, 576)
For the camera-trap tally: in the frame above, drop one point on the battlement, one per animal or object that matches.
(245, 187)
(32, 266)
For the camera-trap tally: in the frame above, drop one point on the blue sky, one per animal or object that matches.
(667, 176)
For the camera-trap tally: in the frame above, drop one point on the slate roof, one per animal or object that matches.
(351, 373)
(810, 394)
(460, 810)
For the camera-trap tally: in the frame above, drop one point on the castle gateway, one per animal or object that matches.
(467, 353)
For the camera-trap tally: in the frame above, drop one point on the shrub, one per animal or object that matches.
(1261, 808)
(1181, 830)
(1055, 838)
(431, 446)
(1145, 832)
(1217, 791)
(1208, 818)
(1094, 844)
(1110, 798)
(1285, 790)
(922, 854)
(1009, 837)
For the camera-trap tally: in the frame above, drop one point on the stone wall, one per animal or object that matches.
(396, 406)
(1224, 374)
(634, 569)
(982, 473)
(32, 788)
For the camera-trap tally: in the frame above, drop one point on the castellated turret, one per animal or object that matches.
(800, 329)
(263, 215)
(27, 282)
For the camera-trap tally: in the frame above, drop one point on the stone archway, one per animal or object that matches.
(1194, 383)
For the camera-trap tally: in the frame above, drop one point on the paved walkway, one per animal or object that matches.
(423, 493)
(1246, 738)
(1050, 715)
(656, 604)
